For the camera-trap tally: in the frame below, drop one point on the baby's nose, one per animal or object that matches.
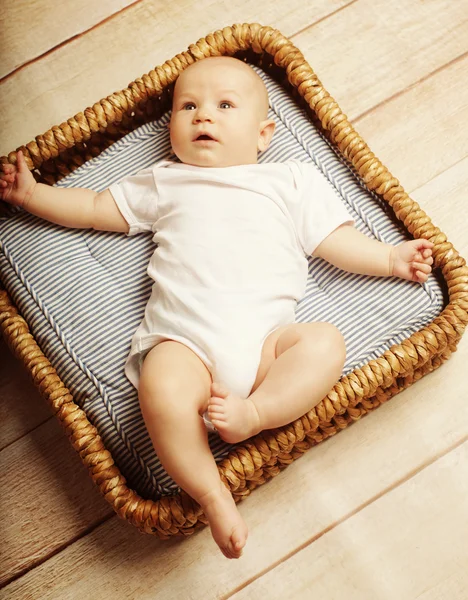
(203, 115)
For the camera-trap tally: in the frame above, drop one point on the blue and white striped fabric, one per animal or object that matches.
(83, 293)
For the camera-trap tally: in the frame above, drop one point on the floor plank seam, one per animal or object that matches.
(65, 42)
(324, 18)
(51, 418)
(458, 58)
(40, 561)
(78, 35)
(346, 517)
(409, 548)
(438, 175)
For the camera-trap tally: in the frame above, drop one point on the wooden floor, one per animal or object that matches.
(379, 512)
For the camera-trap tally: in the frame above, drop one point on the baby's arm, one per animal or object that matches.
(353, 251)
(79, 208)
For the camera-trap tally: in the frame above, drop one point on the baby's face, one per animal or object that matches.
(217, 115)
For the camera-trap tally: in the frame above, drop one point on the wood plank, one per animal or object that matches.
(70, 517)
(109, 57)
(22, 408)
(284, 521)
(386, 550)
(380, 49)
(47, 24)
(48, 498)
(329, 483)
(444, 199)
(422, 132)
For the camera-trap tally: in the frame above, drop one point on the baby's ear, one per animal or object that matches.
(266, 131)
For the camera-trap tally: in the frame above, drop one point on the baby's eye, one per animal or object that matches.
(189, 106)
(225, 105)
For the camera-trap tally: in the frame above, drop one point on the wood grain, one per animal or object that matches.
(422, 132)
(48, 498)
(124, 47)
(374, 52)
(400, 546)
(399, 70)
(443, 198)
(47, 25)
(18, 417)
(326, 486)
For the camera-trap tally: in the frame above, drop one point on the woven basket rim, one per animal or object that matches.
(254, 461)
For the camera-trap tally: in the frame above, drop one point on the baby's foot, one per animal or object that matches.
(235, 418)
(228, 528)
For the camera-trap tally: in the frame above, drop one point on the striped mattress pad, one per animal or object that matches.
(83, 293)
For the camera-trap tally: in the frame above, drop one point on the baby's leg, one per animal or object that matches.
(300, 363)
(174, 391)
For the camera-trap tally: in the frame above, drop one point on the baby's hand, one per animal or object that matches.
(17, 183)
(412, 260)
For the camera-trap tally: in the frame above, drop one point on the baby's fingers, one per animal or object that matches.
(421, 277)
(8, 175)
(5, 189)
(422, 266)
(421, 269)
(427, 255)
(424, 258)
(8, 170)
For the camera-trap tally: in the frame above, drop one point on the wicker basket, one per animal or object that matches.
(65, 147)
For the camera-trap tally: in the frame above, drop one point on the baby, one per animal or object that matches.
(218, 346)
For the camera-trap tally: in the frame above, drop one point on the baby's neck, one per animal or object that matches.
(217, 166)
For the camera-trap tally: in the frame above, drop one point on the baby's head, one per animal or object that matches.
(220, 114)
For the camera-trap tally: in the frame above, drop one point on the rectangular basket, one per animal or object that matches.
(63, 148)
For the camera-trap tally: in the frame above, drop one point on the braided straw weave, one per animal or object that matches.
(63, 148)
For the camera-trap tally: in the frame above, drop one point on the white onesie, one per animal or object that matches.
(231, 257)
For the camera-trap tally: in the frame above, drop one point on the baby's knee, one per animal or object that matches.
(334, 344)
(327, 341)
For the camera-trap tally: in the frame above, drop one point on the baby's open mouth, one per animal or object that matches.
(204, 136)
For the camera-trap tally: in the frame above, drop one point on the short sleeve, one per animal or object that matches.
(137, 199)
(315, 206)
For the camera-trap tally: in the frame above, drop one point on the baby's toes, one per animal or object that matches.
(226, 553)
(216, 414)
(216, 403)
